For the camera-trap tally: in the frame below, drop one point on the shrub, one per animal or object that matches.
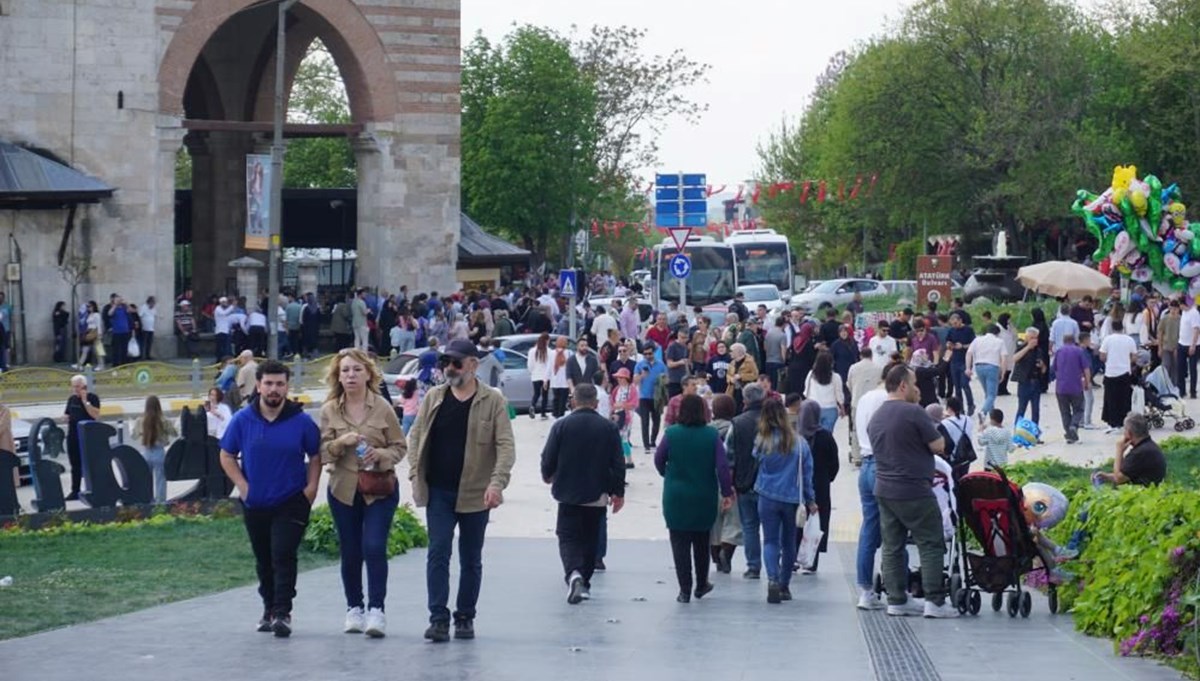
(406, 533)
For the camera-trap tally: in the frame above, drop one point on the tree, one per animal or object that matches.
(319, 96)
(529, 139)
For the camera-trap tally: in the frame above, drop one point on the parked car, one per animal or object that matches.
(762, 294)
(838, 292)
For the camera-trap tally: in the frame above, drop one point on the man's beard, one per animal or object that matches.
(455, 378)
(273, 401)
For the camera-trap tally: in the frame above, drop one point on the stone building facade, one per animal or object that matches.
(116, 87)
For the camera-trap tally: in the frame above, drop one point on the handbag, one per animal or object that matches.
(90, 336)
(377, 483)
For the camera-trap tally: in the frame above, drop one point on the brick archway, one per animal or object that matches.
(352, 40)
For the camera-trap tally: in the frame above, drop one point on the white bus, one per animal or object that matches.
(713, 279)
(763, 257)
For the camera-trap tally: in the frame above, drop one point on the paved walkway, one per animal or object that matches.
(632, 629)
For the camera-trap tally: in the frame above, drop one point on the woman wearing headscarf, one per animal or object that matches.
(1039, 323)
(824, 470)
(743, 371)
(727, 531)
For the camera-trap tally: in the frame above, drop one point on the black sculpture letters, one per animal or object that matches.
(46, 440)
(196, 456)
(98, 456)
(8, 491)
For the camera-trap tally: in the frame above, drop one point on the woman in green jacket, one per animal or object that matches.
(691, 459)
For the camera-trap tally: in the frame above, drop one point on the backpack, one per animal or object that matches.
(964, 451)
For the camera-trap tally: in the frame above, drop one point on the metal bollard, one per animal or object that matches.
(195, 377)
(89, 373)
(299, 371)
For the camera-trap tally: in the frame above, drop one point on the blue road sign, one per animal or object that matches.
(567, 284)
(681, 200)
(680, 266)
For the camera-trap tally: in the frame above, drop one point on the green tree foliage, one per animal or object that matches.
(319, 96)
(975, 114)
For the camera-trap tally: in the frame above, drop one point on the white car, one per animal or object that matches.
(837, 292)
(762, 294)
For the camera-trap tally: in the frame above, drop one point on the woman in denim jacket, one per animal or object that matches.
(784, 460)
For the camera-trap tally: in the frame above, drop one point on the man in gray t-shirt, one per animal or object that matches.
(677, 355)
(775, 350)
(904, 441)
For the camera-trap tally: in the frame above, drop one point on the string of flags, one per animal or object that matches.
(843, 190)
(613, 228)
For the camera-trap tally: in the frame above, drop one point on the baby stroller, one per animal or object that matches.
(992, 511)
(1163, 401)
(943, 492)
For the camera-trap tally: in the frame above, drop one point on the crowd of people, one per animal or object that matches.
(738, 418)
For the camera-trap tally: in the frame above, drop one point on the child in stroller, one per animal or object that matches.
(1163, 401)
(943, 492)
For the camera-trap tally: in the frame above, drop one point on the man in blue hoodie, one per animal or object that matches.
(272, 436)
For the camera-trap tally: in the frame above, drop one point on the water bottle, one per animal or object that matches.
(361, 450)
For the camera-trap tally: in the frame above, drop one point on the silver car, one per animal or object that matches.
(838, 292)
(514, 380)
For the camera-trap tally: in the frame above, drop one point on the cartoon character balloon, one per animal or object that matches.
(1045, 506)
(1026, 433)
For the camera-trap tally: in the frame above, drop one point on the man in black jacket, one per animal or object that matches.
(739, 445)
(584, 465)
(582, 367)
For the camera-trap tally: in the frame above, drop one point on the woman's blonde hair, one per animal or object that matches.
(332, 372)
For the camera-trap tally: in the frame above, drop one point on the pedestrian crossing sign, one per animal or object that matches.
(566, 284)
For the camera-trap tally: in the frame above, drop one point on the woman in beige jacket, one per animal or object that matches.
(360, 431)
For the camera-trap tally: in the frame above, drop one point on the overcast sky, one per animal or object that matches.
(765, 57)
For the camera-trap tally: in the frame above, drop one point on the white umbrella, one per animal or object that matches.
(1059, 279)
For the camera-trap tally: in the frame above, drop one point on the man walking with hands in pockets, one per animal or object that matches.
(272, 436)
(462, 454)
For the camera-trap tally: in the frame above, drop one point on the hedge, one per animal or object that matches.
(1137, 579)
(406, 533)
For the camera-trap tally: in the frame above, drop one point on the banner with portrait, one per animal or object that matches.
(258, 201)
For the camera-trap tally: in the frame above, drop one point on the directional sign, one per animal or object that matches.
(680, 236)
(566, 283)
(680, 266)
(681, 200)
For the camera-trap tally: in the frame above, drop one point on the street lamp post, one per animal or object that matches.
(273, 238)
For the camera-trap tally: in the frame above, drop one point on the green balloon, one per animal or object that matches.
(1154, 209)
(1178, 283)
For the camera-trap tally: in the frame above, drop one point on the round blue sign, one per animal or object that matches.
(680, 266)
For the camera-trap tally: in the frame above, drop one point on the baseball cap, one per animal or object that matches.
(223, 299)
(461, 349)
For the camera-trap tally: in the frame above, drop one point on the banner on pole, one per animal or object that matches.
(258, 201)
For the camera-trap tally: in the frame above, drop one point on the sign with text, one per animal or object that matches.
(933, 280)
(258, 201)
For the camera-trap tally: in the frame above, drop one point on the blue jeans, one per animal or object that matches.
(989, 376)
(156, 457)
(748, 513)
(869, 535)
(960, 384)
(441, 519)
(779, 538)
(1030, 393)
(407, 421)
(829, 417)
(362, 536)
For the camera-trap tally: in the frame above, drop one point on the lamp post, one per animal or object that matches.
(273, 237)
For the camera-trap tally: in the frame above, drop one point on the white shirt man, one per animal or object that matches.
(1189, 328)
(987, 349)
(601, 325)
(1118, 351)
(883, 347)
(148, 314)
(221, 316)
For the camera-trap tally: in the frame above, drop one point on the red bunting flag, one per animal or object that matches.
(741, 190)
(857, 186)
(804, 191)
(595, 228)
(871, 187)
(821, 192)
(755, 194)
(718, 190)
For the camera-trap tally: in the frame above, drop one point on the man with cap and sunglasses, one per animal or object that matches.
(462, 450)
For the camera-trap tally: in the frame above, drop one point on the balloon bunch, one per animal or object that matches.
(1143, 230)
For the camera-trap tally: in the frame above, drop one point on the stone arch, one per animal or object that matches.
(352, 41)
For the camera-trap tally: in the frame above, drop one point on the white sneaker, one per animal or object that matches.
(376, 623)
(913, 607)
(355, 623)
(575, 588)
(869, 600)
(945, 611)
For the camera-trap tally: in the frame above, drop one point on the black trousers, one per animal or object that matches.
(578, 539)
(541, 391)
(275, 533)
(76, 459)
(147, 343)
(258, 340)
(648, 414)
(560, 401)
(120, 348)
(689, 548)
(1118, 399)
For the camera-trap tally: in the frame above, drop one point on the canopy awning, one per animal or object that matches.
(36, 180)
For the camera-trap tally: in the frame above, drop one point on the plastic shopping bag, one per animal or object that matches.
(133, 350)
(811, 542)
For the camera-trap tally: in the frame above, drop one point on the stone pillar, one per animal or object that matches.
(247, 278)
(307, 270)
(218, 209)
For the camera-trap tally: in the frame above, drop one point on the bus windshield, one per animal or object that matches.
(712, 278)
(764, 264)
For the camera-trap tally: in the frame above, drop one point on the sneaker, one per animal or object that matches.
(586, 594)
(1062, 553)
(438, 632)
(683, 597)
(750, 574)
(282, 626)
(913, 607)
(945, 611)
(264, 622)
(869, 600)
(628, 465)
(600, 566)
(774, 593)
(575, 588)
(785, 593)
(355, 621)
(808, 570)
(464, 629)
(703, 589)
(724, 562)
(376, 623)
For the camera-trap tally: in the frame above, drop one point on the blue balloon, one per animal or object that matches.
(1169, 245)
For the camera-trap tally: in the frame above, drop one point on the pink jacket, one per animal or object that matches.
(630, 405)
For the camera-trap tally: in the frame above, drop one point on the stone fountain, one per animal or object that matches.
(996, 278)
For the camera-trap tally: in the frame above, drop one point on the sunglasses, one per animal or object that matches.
(445, 361)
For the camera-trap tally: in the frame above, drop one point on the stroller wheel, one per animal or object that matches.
(955, 586)
(1052, 596)
(1158, 422)
(1189, 424)
(960, 601)
(1013, 604)
(1179, 427)
(976, 602)
(997, 602)
(1026, 604)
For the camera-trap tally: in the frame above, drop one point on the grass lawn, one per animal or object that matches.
(72, 578)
